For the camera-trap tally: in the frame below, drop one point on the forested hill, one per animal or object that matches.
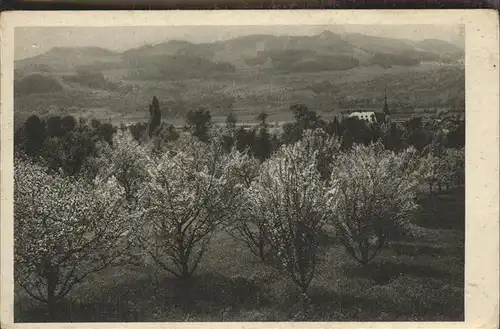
(244, 73)
(325, 51)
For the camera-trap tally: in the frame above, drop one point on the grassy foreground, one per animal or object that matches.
(417, 278)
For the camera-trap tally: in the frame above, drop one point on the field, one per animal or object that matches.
(418, 278)
(427, 86)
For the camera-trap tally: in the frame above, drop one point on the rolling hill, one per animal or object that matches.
(65, 59)
(247, 74)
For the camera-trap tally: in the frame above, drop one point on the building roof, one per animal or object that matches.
(371, 111)
(362, 113)
(367, 116)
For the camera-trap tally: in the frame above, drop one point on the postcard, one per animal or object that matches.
(250, 169)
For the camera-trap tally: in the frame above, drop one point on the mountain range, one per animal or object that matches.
(232, 73)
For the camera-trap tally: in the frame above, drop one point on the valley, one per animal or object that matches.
(247, 75)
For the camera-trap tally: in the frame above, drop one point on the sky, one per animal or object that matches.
(31, 41)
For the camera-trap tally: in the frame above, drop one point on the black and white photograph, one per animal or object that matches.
(242, 173)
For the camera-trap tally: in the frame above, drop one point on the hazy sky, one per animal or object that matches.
(36, 40)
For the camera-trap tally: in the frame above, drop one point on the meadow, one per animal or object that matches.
(414, 279)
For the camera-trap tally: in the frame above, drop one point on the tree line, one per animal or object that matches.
(54, 138)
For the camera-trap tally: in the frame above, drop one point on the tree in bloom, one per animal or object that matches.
(249, 226)
(376, 195)
(126, 161)
(434, 167)
(448, 169)
(290, 194)
(431, 171)
(324, 146)
(65, 229)
(440, 165)
(455, 166)
(191, 191)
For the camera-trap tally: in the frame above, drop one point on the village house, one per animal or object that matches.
(371, 116)
(368, 116)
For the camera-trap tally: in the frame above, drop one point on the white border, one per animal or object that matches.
(482, 144)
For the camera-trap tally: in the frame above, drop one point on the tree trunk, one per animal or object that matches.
(305, 303)
(185, 269)
(186, 293)
(52, 299)
(183, 256)
(363, 251)
(304, 287)
(262, 253)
